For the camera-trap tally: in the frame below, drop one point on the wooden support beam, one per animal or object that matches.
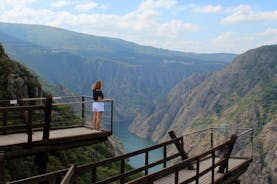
(180, 148)
(28, 119)
(47, 117)
(68, 178)
(41, 160)
(226, 153)
(2, 167)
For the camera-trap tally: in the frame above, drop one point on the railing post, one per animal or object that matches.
(5, 120)
(93, 168)
(146, 162)
(47, 117)
(252, 133)
(176, 176)
(112, 116)
(28, 119)
(213, 167)
(165, 155)
(2, 167)
(197, 170)
(212, 139)
(83, 110)
(122, 170)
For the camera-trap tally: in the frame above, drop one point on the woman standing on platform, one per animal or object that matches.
(98, 104)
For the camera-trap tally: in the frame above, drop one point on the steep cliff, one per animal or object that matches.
(243, 95)
(16, 80)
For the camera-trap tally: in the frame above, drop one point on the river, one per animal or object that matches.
(131, 142)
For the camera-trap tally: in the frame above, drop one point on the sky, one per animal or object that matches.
(202, 26)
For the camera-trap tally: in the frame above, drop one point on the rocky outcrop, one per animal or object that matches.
(16, 80)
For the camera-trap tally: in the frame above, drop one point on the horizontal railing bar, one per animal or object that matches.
(245, 132)
(40, 178)
(15, 108)
(211, 128)
(199, 131)
(135, 153)
(137, 170)
(80, 102)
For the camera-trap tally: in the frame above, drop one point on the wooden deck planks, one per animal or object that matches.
(19, 138)
(185, 174)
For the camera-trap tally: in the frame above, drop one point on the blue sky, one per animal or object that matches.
(202, 26)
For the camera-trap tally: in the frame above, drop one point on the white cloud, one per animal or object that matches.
(153, 4)
(269, 35)
(207, 9)
(245, 13)
(269, 32)
(175, 28)
(224, 37)
(86, 7)
(59, 4)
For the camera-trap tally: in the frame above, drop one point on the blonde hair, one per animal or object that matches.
(97, 85)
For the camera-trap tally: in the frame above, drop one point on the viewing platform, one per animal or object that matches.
(37, 125)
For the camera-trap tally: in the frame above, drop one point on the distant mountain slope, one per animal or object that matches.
(133, 75)
(244, 94)
(100, 47)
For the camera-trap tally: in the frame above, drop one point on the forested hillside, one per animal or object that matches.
(244, 94)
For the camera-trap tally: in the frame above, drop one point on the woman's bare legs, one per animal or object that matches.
(98, 120)
(94, 119)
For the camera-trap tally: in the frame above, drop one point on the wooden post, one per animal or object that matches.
(176, 176)
(41, 160)
(93, 168)
(197, 169)
(227, 153)
(180, 148)
(47, 117)
(122, 170)
(93, 174)
(146, 162)
(28, 119)
(112, 116)
(165, 155)
(212, 139)
(213, 165)
(5, 120)
(2, 167)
